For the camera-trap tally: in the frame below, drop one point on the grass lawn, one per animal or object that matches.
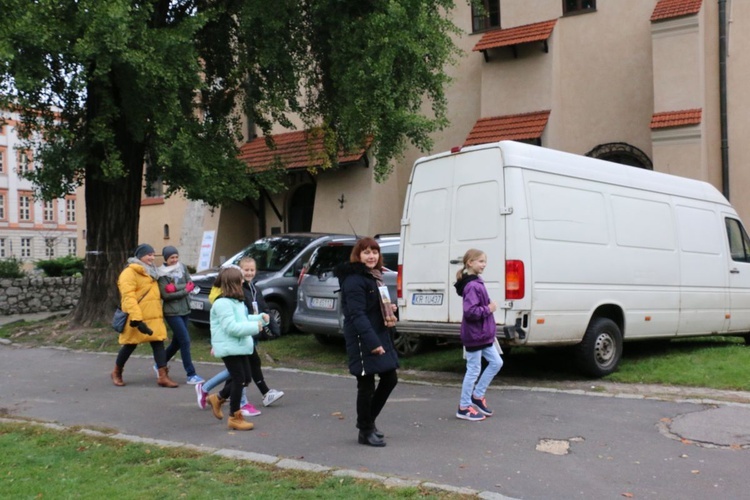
(37, 462)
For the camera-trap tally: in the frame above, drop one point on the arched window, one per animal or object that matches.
(166, 231)
(623, 153)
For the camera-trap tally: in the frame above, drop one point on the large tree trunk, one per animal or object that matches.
(112, 216)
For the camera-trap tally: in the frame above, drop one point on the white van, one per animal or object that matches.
(580, 251)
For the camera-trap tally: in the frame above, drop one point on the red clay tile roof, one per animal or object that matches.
(668, 9)
(295, 150)
(676, 118)
(536, 32)
(510, 127)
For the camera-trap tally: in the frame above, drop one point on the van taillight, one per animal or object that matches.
(515, 286)
(399, 282)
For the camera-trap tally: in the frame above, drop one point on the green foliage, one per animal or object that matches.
(11, 268)
(68, 265)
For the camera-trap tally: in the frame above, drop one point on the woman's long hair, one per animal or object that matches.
(229, 281)
(362, 245)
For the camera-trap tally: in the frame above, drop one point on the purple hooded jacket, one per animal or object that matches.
(478, 326)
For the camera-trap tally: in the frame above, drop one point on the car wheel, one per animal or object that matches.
(408, 344)
(600, 351)
(328, 339)
(276, 311)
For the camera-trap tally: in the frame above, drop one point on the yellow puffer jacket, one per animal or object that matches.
(135, 282)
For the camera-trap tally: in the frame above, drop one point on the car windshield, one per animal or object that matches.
(272, 253)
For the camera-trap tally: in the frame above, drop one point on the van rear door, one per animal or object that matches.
(453, 204)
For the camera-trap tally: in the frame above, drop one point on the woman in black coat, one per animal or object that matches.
(368, 317)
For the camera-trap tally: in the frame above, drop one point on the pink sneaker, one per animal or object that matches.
(249, 410)
(201, 396)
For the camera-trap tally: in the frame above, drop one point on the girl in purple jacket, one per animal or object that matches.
(478, 332)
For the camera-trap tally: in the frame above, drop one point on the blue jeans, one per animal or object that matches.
(181, 342)
(473, 367)
(220, 378)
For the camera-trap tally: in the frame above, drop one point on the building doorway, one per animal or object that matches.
(301, 205)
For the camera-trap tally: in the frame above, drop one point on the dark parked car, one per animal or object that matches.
(318, 305)
(279, 259)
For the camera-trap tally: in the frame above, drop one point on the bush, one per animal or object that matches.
(62, 266)
(11, 268)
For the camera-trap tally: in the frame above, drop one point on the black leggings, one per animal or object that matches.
(371, 400)
(157, 346)
(239, 371)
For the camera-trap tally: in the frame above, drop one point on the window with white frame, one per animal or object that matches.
(49, 211)
(72, 246)
(2, 159)
(3, 252)
(25, 248)
(24, 206)
(24, 162)
(70, 209)
(2, 206)
(49, 247)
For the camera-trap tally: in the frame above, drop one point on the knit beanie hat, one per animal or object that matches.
(168, 251)
(143, 249)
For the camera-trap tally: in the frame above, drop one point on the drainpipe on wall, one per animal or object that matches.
(723, 96)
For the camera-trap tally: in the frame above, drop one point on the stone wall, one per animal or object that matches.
(33, 295)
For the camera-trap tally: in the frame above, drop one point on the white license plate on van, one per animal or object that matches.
(194, 304)
(427, 299)
(318, 303)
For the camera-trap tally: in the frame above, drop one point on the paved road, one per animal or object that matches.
(610, 447)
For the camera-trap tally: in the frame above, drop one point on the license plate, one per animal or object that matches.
(427, 299)
(319, 303)
(195, 304)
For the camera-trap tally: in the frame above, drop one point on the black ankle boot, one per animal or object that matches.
(370, 439)
(378, 433)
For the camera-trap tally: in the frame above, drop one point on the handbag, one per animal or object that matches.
(120, 318)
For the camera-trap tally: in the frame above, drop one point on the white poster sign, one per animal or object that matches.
(207, 250)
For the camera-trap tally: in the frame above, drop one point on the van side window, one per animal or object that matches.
(739, 243)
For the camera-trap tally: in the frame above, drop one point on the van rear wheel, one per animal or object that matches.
(600, 351)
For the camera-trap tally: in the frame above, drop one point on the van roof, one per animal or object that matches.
(549, 160)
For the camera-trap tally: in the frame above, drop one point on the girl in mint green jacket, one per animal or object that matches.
(232, 330)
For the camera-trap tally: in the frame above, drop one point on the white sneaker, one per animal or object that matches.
(272, 396)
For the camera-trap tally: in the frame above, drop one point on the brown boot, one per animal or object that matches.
(237, 422)
(164, 379)
(117, 376)
(216, 402)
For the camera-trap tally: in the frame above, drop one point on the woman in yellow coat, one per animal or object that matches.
(141, 300)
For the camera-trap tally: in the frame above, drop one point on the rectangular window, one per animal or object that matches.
(2, 206)
(49, 211)
(25, 164)
(49, 247)
(72, 246)
(70, 210)
(25, 202)
(486, 17)
(25, 248)
(578, 6)
(3, 253)
(2, 159)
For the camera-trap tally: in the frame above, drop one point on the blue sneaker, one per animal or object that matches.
(481, 404)
(194, 379)
(469, 413)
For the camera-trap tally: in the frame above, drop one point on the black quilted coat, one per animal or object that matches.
(364, 328)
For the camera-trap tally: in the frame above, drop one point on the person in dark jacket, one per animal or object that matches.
(176, 285)
(368, 318)
(478, 330)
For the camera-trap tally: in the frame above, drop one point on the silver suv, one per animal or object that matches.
(318, 305)
(279, 259)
